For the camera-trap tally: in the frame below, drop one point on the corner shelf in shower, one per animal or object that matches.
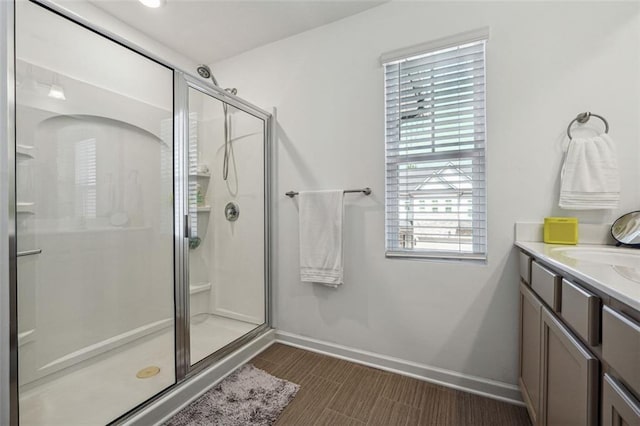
(26, 208)
(200, 175)
(199, 287)
(203, 209)
(25, 337)
(25, 151)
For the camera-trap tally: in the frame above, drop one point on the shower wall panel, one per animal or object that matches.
(238, 250)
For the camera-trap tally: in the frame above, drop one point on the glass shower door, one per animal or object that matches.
(227, 276)
(94, 143)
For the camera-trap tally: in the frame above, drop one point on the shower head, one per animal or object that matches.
(205, 72)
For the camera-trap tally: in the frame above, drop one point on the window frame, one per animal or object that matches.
(479, 221)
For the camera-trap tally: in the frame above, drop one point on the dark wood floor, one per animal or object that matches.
(337, 392)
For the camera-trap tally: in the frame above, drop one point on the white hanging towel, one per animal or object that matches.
(320, 220)
(590, 178)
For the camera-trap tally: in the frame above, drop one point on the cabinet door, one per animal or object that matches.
(569, 377)
(529, 377)
(619, 407)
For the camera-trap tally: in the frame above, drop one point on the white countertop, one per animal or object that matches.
(620, 282)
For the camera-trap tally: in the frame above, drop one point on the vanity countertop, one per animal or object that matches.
(620, 281)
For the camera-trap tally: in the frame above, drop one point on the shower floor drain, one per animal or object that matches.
(147, 372)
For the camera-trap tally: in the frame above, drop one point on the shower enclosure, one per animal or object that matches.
(137, 264)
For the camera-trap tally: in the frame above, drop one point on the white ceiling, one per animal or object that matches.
(207, 31)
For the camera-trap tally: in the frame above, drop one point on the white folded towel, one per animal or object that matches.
(321, 215)
(590, 178)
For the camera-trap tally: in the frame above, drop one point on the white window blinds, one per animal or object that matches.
(435, 153)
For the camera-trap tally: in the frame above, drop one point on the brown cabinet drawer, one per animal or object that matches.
(621, 346)
(546, 284)
(619, 407)
(525, 268)
(581, 310)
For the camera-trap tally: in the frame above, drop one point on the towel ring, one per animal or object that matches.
(582, 118)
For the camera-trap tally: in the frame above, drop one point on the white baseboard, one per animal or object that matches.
(168, 405)
(477, 385)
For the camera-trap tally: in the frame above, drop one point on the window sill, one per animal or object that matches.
(437, 256)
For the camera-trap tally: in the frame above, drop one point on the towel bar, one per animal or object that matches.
(582, 118)
(365, 191)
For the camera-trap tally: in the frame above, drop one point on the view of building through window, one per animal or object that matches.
(449, 191)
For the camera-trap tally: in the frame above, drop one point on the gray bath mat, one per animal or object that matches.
(249, 396)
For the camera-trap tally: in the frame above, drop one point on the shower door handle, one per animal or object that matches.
(28, 252)
(187, 226)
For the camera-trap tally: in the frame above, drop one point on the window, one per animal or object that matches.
(85, 178)
(435, 148)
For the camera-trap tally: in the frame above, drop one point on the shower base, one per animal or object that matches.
(104, 388)
(210, 333)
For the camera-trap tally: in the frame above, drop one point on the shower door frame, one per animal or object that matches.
(8, 290)
(9, 388)
(182, 83)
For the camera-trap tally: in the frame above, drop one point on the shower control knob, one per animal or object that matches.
(231, 211)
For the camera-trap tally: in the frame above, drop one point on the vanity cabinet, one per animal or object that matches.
(565, 330)
(569, 377)
(579, 344)
(558, 372)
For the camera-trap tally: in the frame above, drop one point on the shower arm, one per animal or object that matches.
(205, 72)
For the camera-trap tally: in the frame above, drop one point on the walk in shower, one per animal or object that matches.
(138, 264)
